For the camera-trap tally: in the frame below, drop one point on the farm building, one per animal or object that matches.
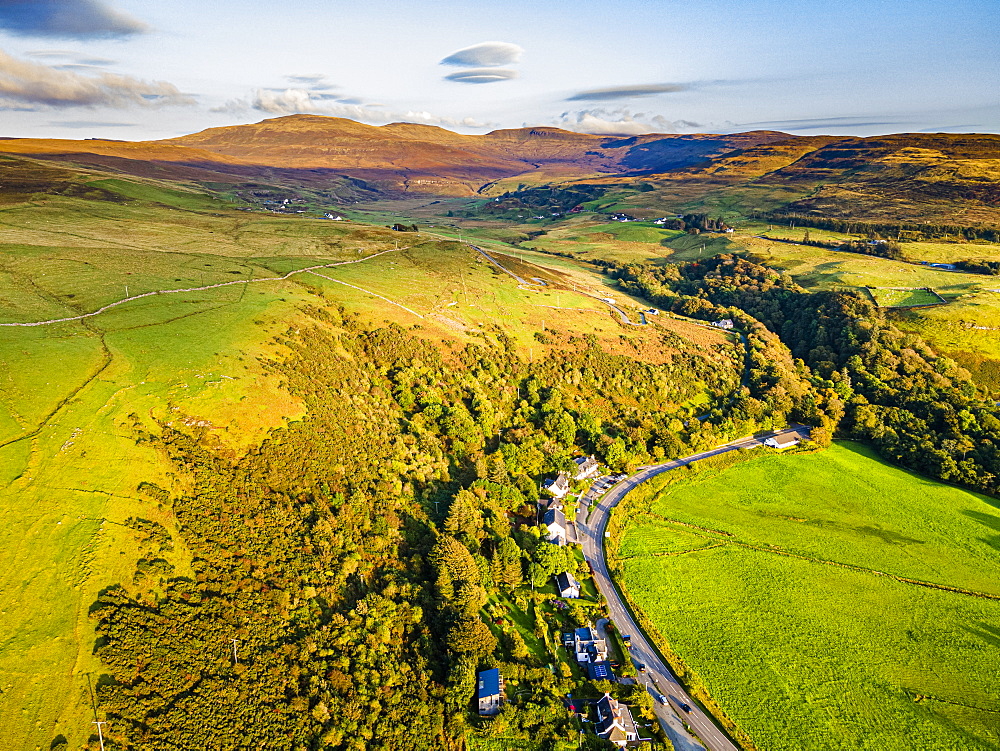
(782, 441)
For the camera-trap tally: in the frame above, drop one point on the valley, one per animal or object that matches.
(276, 470)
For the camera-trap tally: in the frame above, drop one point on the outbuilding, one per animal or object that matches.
(784, 441)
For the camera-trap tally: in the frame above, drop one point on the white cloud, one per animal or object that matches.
(622, 122)
(481, 75)
(68, 56)
(26, 84)
(302, 101)
(311, 81)
(485, 54)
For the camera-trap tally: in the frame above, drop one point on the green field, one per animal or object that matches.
(805, 593)
(887, 297)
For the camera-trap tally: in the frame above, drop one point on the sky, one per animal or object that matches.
(138, 70)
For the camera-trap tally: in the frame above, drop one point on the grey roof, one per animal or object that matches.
(489, 683)
(565, 581)
(555, 516)
(606, 727)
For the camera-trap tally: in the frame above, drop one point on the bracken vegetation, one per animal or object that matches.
(341, 569)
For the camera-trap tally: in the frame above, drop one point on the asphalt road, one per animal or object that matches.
(657, 673)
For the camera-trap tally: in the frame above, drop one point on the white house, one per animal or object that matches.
(725, 323)
(615, 723)
(568, 586)
(555, 522)
(557, 487)
(586, 466)
(586, 644)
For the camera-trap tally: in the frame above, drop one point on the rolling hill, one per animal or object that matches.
(911, 177)
(392, 159)
(930, 178)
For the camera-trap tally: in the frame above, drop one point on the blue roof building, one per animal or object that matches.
(490, 692)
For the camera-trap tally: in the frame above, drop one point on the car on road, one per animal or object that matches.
(640, 667)
(686, 707)
(662, 699)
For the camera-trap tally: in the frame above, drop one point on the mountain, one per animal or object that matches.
(390, 159)
(427, 159)
(909, 177)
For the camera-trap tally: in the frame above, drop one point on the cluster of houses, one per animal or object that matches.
(614, 720)
(554, 519)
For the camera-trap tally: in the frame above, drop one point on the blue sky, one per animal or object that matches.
(134, 70)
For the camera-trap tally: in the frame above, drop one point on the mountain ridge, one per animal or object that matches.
(917, 176)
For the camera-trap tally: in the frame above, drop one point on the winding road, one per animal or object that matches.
(657, 673)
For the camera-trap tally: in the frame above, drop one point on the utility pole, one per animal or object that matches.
(236, 660)
(100, 733)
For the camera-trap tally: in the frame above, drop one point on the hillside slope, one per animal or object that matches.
(392, 159)
(932, 178)
(222, 305)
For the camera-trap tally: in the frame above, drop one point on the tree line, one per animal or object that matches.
(868, 379)
(888, 230)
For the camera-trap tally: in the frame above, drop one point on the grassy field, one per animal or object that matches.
(888, 297)
(791, 586)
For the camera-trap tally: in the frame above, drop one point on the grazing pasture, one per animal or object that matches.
(827, 600)
(894, 297)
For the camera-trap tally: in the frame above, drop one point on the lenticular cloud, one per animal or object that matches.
(485, 54)
(481, 75)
